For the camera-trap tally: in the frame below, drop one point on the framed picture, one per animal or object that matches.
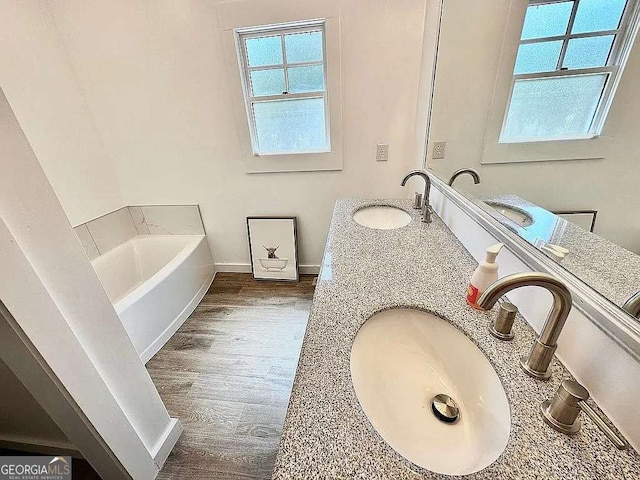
(273, 248)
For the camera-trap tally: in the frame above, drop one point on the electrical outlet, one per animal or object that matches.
(382, 152)
(438, 150)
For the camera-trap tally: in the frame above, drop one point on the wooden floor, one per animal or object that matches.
(227, 375)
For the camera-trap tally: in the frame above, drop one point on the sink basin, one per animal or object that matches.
(400, 360)
(381, 217)
(514, 214)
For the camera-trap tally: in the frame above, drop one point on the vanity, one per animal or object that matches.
(422, 269)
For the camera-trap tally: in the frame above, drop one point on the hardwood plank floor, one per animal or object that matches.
(227, 375)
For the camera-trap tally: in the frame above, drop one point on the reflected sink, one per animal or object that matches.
(514, 214)
(400, 360)
(381, 217)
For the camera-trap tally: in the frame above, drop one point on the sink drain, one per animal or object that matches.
(445, 408)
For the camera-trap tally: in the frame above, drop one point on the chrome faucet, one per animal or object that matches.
(543, 348)
(470, 171)
(632, 305)
(426, 208)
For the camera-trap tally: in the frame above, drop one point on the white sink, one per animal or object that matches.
(516, 215)
(400, 360)
(382, 217)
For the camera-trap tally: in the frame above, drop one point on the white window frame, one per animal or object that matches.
(249, 13)
(625, 35)
(241, 34)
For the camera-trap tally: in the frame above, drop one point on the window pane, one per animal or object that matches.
(588, 52)
(267, 82)
(303, 47)
(538, 57)
(597, 15)
(546, 20)
(556, 107)
(290, 125)
(306, 79)
(263, 51)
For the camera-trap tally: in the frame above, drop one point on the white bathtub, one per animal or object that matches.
(154, 283)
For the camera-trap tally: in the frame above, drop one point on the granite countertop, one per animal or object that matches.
(610, 269)
(327, 435)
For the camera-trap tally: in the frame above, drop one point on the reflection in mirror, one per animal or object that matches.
(539, 98)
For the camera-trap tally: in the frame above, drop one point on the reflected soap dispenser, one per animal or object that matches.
(485, 275)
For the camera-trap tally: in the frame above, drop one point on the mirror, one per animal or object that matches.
(540, 99)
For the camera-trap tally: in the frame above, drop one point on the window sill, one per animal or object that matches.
(552, 150)
(300, 162)
(274, 154)
(590, 136)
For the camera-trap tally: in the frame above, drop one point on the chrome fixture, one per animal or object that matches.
(417, 201)
(426, 208)
(501, 326)
(544, 346)
(562, 412)
(445, 408)
(470, 171)
(632, 305)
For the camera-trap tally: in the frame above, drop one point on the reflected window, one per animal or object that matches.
(570, 57)
(284, 79)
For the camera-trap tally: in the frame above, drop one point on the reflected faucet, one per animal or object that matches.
(543, 348)
(426, 208)
(470, 171)
(632, 305)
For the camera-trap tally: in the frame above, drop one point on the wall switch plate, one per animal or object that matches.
(382, 152)
(438, 150)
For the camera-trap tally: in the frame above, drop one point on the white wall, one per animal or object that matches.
(154, 76)
(38, 80)
(468, 59)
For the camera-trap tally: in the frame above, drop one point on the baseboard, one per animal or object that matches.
(246, 268)
(166, 444)
(158, 343)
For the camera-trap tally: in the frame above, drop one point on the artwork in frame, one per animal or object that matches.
(273, 248)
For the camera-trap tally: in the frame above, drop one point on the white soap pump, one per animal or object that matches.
(485, 275)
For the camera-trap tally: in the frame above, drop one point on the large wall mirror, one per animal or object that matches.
(542, 99)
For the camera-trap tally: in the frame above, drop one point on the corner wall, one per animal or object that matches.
(41, 86)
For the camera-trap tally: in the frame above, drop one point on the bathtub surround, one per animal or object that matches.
(85, 374)
(106, 232)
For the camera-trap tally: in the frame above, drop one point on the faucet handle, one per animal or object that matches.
(562, 411)
(501, 326)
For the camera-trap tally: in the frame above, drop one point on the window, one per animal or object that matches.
(570, 58)
(283, 71)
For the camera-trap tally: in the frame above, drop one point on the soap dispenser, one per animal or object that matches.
(485, 275)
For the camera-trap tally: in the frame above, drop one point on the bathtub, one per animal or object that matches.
(154, 283)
